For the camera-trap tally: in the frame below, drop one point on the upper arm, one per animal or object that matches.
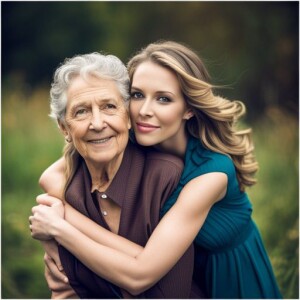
(52, 180)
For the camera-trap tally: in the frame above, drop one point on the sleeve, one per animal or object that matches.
(214, 162)
(165, 172)
(218, 163)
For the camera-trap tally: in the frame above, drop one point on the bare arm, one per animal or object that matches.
(92, 229)
(169, 241)
(52, 182)
(56, 278)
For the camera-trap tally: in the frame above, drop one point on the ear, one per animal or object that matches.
(188, 114)
(63, 128)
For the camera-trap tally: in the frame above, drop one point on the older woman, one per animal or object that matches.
(109, 180)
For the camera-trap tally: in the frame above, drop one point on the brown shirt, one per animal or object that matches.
(142, 184)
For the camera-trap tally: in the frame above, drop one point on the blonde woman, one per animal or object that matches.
(173, 108)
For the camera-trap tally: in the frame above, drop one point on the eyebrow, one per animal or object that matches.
(87, 103)
(157, 92)
(135, 88)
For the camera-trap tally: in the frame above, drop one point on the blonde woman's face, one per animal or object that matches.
(158, 110)
(97, 121)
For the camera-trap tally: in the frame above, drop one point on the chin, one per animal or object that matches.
(146, 141)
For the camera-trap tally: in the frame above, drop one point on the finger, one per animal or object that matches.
(51, 248)
(56, 273)
(57, 261)
(54, 284)
(45, 199)
(34, 209)
(38, 208)
(30, 219)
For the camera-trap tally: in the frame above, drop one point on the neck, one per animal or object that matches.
(176, 146)
(102, 174)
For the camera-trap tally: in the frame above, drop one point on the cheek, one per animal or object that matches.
(77, 132)
(134, 109)
(119, 123)
(170, 118)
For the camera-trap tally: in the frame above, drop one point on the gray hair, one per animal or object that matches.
(96, 64)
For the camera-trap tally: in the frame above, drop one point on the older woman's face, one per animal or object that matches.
(96, 119)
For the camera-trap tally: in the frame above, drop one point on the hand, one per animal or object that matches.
(60, 289)
(52, 259)
(56, 275)
(48, 200)
(45, 219)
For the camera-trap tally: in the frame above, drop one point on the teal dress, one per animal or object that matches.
(230, 258)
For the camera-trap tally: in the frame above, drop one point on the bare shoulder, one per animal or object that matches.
(52, 180)
(204, 190)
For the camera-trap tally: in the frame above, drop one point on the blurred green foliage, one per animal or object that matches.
(250, 46)
(31, 142)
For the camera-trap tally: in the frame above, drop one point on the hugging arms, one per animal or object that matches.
(173, 109)
(124, 263)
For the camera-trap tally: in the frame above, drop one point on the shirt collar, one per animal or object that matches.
(117, 189)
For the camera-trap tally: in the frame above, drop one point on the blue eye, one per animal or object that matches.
(136, 95)
(163, 99)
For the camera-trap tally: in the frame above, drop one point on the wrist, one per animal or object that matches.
(64, 233)
(57, 228)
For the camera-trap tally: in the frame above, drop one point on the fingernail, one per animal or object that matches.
(66, 279)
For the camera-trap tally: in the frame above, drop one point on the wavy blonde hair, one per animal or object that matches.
(215, 118)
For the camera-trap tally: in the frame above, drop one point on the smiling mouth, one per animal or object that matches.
(146, 128)
(146, 125)
(99, 141)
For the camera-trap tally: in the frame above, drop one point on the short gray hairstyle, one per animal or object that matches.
(96, 64)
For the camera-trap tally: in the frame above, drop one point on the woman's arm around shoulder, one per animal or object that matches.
(52, 180)
(167, 244)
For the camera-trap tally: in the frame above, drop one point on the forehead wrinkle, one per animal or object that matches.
(85, 93)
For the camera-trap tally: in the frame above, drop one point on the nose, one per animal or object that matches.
(98, 122)
(146, 108)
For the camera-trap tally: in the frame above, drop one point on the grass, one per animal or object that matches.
(31, 141)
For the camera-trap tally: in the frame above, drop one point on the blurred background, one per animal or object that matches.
(251, 47)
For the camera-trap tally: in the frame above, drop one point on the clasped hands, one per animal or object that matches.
(45, 215)
(48, 212)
